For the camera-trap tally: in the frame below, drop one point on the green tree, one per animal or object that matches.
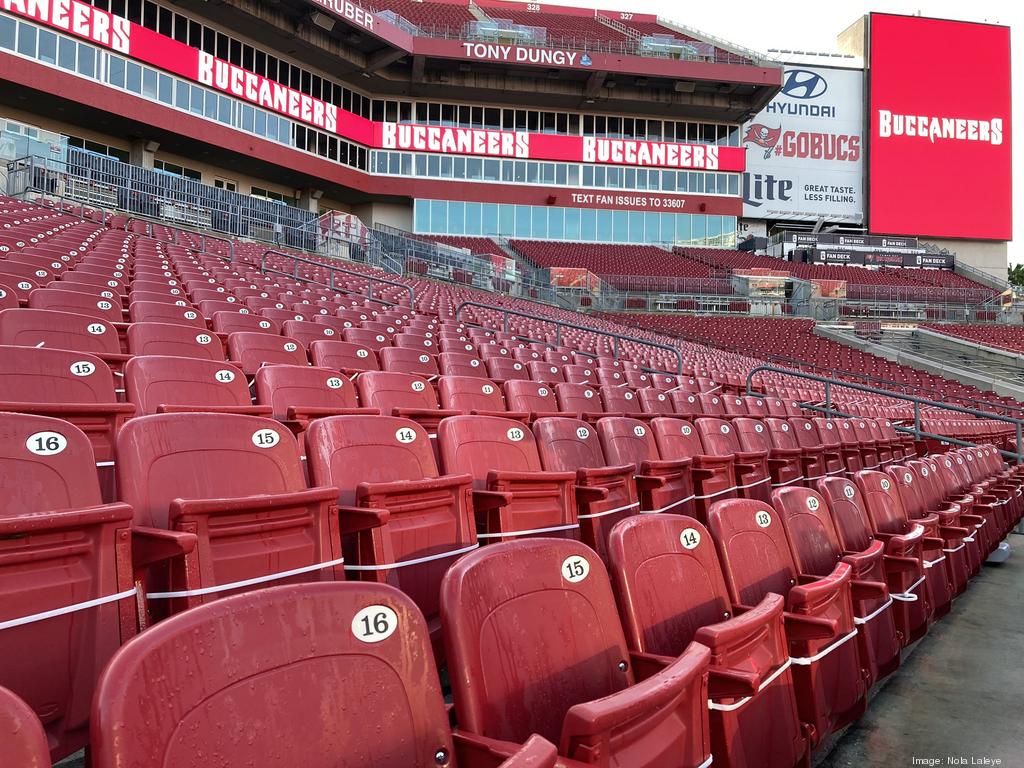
(1015, 275)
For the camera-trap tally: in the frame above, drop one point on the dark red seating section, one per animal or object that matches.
(265, 430)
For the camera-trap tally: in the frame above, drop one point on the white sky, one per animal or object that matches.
(812, 25)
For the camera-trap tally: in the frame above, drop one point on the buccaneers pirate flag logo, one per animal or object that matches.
(763, 136)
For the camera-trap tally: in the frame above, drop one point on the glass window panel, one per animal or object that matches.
(572, 223)
(668, 227)
(506, 220)
(714, 229)
(556, 223)
(47, 47)
(620, 226)
(27, 40)
(115, 64)
(473, 218)
(86, 61)
(149, 80)
(490, 219)
(683, 228)
(635, 233)
(539, 225)
(133, 81)
(698, 229)
(524, 220)
(438, 217)
(165, 88)
(456, 217)
(420, 213)
(67, 50)
(652, 227)
(8, 31)
(603, 228)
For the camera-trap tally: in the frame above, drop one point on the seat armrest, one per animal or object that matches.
(500, 475)
(485, 500)
(822, 589)
(244, 410)
(357, 519)
(475, 750)
(802, 628)
(865, 590)
(596, 718)
(302, 413)
(647, 665)
(590, 494)
(154, 545)
(183, 507)
(588, 475)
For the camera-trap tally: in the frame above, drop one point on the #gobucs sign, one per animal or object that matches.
(804, 150)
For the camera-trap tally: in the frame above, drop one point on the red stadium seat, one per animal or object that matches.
(8, 296)
(402, 522)
(174, 341)
(784, 464)
(479, 397)
(816, 549)
(295, 631)
(753, 715)
(249, 351)
(753, 480)
(62, 549)
(238, 482)
(713, 476)
(73, 386)
(880, 501)
(512, 496)
(534, 398)
(403, 360)
(22, 739)
(604, 494)
(505, 608)
(756, 561)
(664, 485)
(298, 394)
(234, 322)
(346, 357)
(820, 439)
(940, 524)
(156, 312)
(157, 384)
(402, 394)
(461, 364)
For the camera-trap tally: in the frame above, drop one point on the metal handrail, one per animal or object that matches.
(559, 325)
(837, 373)
(372, 280)
(917, 402)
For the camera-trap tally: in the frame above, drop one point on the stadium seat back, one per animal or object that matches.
(154, 381)
(277, 656)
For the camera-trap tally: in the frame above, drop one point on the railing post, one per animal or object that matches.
(917, 421)
(1020, 448)
(828, 395)
(558, 335)
(504, 322)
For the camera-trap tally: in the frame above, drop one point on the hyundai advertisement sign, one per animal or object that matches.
(805, 149)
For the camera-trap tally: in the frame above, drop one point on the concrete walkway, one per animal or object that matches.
(960, 695)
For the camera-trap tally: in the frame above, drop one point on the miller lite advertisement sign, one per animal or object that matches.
(805, 149)
(940, 128)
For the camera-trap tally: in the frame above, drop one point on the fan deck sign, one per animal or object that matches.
(940, 128)
(117, 34)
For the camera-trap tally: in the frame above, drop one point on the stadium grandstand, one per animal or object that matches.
(479, 383)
